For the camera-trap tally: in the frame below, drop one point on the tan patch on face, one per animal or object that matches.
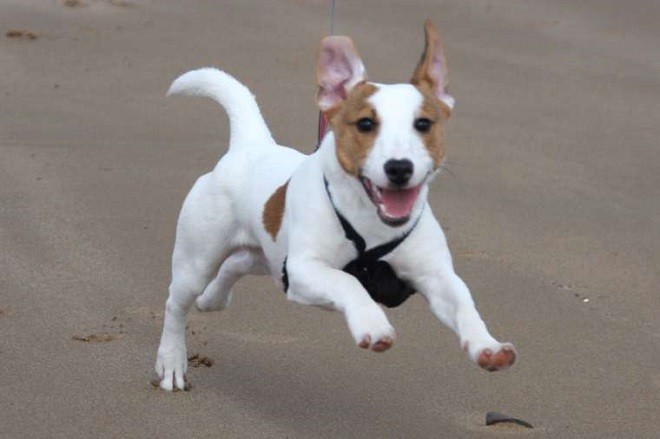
(274, 211)
(436, 111)
(352, 146)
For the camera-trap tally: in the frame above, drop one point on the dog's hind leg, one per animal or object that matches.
(217, 294)
(204, 239)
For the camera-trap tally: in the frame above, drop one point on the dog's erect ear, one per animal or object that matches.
(339, 68)
(431, 72)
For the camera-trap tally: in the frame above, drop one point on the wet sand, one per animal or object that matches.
(551, 209)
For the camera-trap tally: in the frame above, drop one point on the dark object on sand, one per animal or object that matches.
(21, 34)
(493, 418)
(198, 360)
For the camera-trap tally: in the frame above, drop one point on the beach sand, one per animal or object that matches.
(551, 209)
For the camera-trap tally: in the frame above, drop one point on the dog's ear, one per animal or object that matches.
(339, 68)
(431, 72)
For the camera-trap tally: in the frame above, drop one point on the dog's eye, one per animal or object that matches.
(423, 125)
(366, 125)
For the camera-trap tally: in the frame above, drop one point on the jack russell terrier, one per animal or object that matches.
(345, 228)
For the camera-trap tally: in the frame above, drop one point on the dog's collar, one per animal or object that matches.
(375, 253)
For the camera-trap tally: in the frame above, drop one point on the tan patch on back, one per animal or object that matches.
(274, 211)
(352, 146)
(435, 110)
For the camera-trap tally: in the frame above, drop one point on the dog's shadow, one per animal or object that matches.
(342, 391)
(312, 402)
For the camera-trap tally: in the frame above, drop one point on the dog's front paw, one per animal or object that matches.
(171, 365)
(498, 356)
(370, 328)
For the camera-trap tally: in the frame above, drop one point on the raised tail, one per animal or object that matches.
(246, 123)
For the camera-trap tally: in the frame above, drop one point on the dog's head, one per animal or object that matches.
(389, 137)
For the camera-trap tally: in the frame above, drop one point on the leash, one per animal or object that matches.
(332, 16)
(376, 276)
(323, 121)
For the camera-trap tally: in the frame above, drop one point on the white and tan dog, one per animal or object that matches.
(268, 209)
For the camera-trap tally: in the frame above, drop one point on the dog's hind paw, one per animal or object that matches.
(171, 365)
(212, 301)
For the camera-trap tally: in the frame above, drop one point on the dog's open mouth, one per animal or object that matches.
(394, 205)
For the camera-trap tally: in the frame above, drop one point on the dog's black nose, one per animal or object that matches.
(398, 171)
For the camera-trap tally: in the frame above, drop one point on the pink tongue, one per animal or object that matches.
(399, 203)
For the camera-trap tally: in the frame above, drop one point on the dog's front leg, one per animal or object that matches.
(312, 282)
(451, 302)
(431, 271)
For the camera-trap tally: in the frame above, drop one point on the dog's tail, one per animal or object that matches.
(246, 123)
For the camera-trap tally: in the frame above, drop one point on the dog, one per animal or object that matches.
(343, 228)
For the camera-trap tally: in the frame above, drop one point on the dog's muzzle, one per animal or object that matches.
(394, 205)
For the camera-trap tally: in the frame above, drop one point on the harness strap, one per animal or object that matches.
(375, 253)
(376, 276)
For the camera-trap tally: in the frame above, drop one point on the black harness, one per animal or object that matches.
(376, 276)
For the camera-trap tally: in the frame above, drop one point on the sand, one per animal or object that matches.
(551, 209)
